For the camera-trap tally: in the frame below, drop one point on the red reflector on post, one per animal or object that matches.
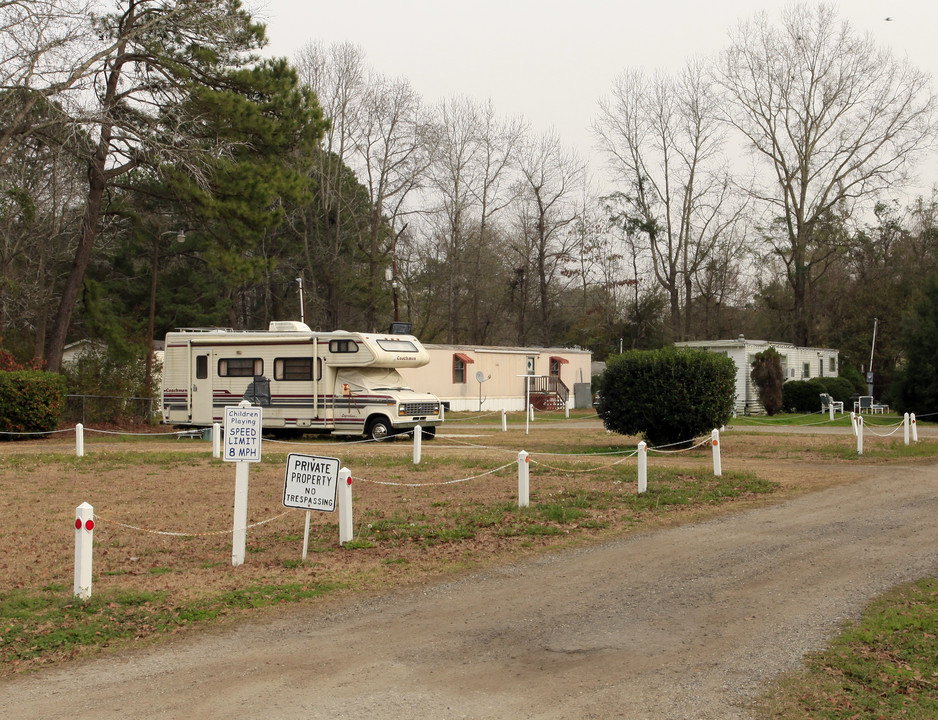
(89, 524)
(78, 523)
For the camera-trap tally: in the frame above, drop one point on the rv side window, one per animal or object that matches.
(397, 345)
(343, 346)
(201, 367)
(240, 367)
(296, 368)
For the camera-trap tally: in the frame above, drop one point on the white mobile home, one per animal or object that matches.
(469, 377)
(342, 382)
(798, 363)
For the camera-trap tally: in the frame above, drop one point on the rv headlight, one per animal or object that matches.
(400, 411)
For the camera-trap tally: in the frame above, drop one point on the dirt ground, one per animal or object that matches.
(687, 617)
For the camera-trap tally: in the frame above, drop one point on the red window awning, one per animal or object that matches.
(465, 358)
(559, 360)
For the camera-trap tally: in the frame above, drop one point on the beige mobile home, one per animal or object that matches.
(798, 363)
(324, 382)
(469, 377)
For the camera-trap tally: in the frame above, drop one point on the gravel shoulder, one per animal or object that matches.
(687, 622)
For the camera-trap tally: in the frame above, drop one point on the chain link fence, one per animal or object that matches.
(110, 409)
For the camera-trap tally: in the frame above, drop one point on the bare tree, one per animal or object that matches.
(664, 142)
(329, 228)
(472, 160)
(551, 181)
(394, 152)
(832, 117)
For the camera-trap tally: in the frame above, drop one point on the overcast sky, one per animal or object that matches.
(552, 61)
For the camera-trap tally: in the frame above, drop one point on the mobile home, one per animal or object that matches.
(319, 382)
(488, 378)
(798, 363)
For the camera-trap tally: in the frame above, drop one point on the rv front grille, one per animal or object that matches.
(420, 408)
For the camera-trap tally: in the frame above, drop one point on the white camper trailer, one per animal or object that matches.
(328, 382)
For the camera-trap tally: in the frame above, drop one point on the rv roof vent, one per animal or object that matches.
(741, 337)
(288, 326)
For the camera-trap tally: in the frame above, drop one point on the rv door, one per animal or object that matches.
(202, 391)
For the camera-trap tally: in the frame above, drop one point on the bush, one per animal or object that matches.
(856, 380)
(802, 395)
(768, 376)
(840, 388)
(667, 396)
(30, 401)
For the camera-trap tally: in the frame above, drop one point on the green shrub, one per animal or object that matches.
(30, 401)
(855, 378)
(802, 395)
(667, 396)
(840, 388)
(768, 376)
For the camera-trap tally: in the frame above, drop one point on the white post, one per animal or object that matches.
(239, 528)
(905, 428)
(216, 440)
(418, 444)
(79, 440)
(717, 463)
(566, 410)
(830, 406)
(859, 434)
(914, 427)
(345, 506)
(84, 541)
(504, 420)
(523, 479)
(531, 412)
(853, 421)
(642, 466)
(306, 535)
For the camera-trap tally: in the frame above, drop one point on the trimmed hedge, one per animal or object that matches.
(667, 396)
(803, 396)
(30, 401)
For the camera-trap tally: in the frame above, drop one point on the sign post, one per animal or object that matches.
(243, 429)
(310, 483)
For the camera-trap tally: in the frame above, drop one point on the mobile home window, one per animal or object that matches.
(240, 367)
(806, 370)
(343, 346)
(201, 367)
(298, 368)
(459, 370)
(832, 365)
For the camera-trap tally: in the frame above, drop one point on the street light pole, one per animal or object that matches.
(299, 280)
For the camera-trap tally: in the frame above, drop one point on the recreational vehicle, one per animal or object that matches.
(319, 382)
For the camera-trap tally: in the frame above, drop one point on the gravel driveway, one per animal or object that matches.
(684, 623)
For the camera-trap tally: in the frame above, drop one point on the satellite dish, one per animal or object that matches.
(480, 376)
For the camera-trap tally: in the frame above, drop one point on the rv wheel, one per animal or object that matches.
(428, 433)
(380, 429)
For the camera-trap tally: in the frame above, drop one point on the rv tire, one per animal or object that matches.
(428, 433)
(380, 429)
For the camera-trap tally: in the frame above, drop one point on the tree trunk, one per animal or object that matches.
(76, 276)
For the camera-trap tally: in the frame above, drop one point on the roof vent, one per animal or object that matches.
(288, 326)
(741, 338)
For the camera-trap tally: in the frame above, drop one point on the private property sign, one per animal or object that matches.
(243, 431)
(311, 483)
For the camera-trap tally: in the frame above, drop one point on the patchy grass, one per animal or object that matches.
(882, 666)
(163, 510)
